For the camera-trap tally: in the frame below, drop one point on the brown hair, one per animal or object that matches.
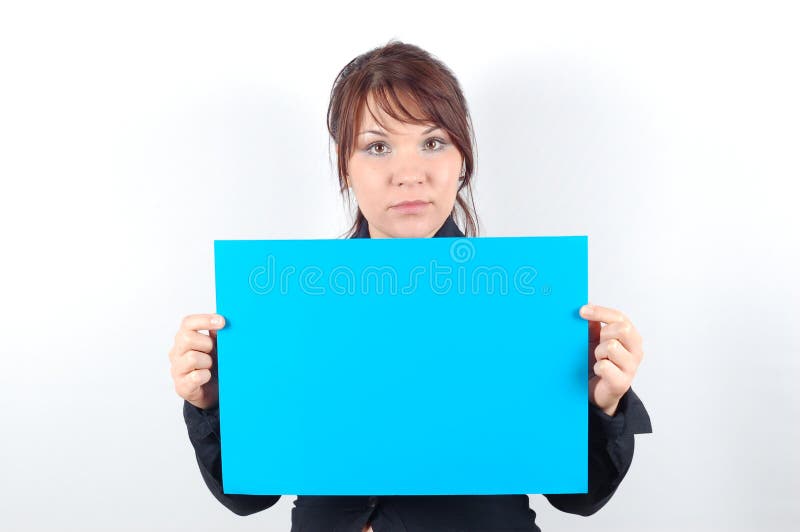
(386, 72)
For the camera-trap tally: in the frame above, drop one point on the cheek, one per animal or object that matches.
(448, 170)
(366, 188)
(363, 178)
(363, 170)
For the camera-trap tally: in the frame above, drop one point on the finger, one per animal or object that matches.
(190, 361)
(186, 340)
(614, 379)
(626, 333)
(616, 353)
(189, 383)
(203, 322)
(604, 314)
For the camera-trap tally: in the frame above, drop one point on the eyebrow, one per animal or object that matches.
(382, 134)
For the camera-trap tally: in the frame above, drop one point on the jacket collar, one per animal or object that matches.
(448, 229)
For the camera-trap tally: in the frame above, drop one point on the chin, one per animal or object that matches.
(412, 229)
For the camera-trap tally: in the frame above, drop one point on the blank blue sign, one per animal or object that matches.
(407, 366)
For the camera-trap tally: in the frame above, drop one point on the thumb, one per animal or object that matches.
(212, 331)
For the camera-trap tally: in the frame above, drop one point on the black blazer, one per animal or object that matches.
(611, 444)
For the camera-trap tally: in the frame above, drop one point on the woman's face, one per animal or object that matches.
(408, 163)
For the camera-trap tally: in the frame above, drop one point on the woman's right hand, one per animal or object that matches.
(193, 360)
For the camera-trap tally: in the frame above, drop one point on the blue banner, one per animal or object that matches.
(403, 366)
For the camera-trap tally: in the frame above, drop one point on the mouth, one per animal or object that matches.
(410, 207)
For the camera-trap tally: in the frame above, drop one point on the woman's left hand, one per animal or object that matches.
(615, 352)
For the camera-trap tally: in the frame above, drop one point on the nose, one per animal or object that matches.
(409, 170)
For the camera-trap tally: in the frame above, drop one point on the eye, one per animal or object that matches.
(438, 141)
(375, 145)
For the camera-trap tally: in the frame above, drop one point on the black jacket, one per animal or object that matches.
(611, 444)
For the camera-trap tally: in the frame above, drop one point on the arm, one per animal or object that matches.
(203, 427)
(611, 446)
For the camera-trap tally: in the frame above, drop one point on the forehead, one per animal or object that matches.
(373, 112)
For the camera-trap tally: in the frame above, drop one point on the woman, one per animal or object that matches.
(404, 145)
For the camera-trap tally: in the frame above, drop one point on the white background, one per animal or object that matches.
(132, 135)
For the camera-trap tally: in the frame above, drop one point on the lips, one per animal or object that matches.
(410, 207)
(410, 203)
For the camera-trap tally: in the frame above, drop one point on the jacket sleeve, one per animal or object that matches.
(203, 427)
(611, 446)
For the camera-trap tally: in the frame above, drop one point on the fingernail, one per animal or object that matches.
(586, 310)
(216, 320)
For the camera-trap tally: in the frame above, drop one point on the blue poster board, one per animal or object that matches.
(407, 366)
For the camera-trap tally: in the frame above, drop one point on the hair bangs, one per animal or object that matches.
(390, 100)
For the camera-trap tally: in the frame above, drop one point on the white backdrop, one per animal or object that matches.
(132, 135)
